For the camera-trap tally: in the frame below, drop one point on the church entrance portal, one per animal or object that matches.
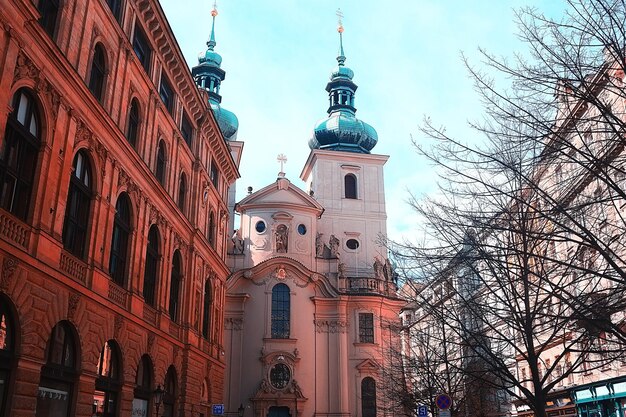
(279, 412)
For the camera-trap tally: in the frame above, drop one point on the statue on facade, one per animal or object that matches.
(341, 270)
(388, 272)
(281, 239)
(237, 242)
(319, 245)
(334, 246)
(379, 269)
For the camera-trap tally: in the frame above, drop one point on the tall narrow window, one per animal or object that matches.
(366, 328)
(18, 160)
(368, 397)
(214, 175)
(281, 311)
(142, 48)
(78, 206)
(211, 232)
(116, 9)
(143, 386)
(59, 374)
(350, 186)
(167, 94)
(49, 10)
(186, 129)
(119, 240)
(108, 384)
(169, 396)
(132, 131)
(160, 164)
(152, 266)
(182, 191)
(98, 72)
(175, 286)
(7, 352)
(206, 309)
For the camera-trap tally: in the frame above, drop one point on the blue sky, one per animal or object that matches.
(278, 55)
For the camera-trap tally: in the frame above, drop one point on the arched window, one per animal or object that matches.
(350, 185)
(152, 266)
(18, 160)
(132, 131)
(176, 277)
(116, 8)
(160, 163)
(49, 11)
(119, 241)
(169, 396)
(59, 374)
(182, 191)
(211, 232)
(368, 397)
(206, 309)
(98, 72)
(77, 208)
(7, 351)
(281, 311)
(108, 384)
(143, 386)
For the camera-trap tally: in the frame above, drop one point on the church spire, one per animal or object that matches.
(209, 75)
(341, 58)
(341, 130)
(211, 43)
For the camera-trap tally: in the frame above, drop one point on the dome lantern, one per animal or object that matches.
(209, 75)
(341, 130)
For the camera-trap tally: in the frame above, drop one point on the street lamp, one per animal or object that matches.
(158, 397)
(240, 410)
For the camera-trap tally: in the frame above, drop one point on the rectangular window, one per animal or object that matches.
(214, 174)
(167, 94)
(366, 328)
(142, 48)
(186, 129)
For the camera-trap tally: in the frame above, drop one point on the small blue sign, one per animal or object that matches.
(443, 401)
(422, 411)
(218, 409)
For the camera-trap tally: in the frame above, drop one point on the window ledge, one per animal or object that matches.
(277, 340)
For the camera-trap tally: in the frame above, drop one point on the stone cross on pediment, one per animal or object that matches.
(282, 160)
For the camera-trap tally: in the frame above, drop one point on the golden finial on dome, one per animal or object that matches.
(214, 11)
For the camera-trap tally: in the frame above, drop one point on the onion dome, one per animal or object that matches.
(341, 130)
(209, 75)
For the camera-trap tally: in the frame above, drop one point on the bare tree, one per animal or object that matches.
(528, 224)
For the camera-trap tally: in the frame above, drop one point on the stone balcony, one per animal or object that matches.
(363, 281)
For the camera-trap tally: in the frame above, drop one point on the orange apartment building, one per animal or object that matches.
(113, 215)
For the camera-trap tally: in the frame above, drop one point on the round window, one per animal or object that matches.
(352, 244)
(260, 226)
(280, 375)
(302, 229)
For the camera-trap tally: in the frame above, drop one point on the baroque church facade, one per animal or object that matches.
(311, 306)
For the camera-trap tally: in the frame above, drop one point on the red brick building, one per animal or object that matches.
(113, 185)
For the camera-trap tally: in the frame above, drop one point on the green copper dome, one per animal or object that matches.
(226, 120)
(210, 57)
(341, 130)
(209, 75)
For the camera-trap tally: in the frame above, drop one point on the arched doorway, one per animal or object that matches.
(278, 412)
